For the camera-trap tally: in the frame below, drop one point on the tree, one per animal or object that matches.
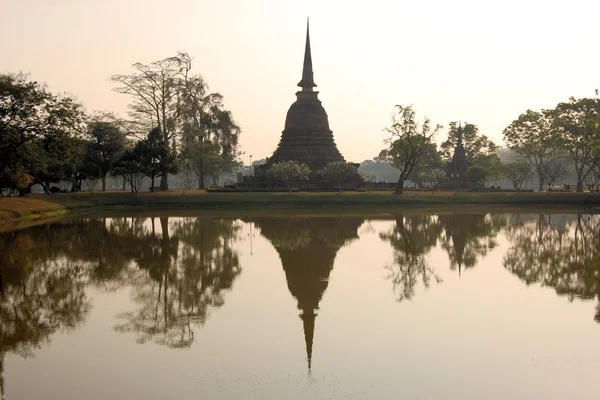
(290, 172)
(408, 142)
(555, 171)
(492, 166)
(155, 89)
(427, 167)
(477, 175)
(531, 136)
(518, 173)
(474, 143)
(131, 168)
(337, 172)
(577, 124)
(156, 158)
(167, 95)
(29, 113)
(106, 144)
(209, 130)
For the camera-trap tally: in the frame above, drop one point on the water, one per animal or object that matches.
(423, 306)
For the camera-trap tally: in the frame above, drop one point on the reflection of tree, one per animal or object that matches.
(468, 237)
(39, 296)
(411, 238)
(187, 272)
(307, 248)
(559, 251)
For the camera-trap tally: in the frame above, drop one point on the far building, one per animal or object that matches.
(306, 137)
(456, 169)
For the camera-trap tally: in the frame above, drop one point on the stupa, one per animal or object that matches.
(306, 137)
(456, 169)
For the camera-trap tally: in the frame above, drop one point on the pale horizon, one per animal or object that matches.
(478, 63)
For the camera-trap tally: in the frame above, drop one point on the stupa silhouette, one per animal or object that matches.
(306, 137)
(307, 248)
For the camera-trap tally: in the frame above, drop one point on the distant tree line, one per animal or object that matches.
(546, 145)
(174, 124)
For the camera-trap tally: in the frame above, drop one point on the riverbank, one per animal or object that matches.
(38, 207)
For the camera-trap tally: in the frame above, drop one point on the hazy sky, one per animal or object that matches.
(477, 61)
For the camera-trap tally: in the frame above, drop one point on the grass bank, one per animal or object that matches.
(40, 208)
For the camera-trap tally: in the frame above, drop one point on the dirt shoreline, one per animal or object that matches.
(34, 209)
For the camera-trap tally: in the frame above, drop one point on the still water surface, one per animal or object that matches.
(444, 306)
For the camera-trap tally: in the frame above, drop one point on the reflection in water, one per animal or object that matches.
(559, 251)
(42, 293)
(179, 269)
(307, 248)
(412, 237)
(465, 237)
(468, 237)
(187, 271)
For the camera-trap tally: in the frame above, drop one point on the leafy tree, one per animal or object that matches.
(556, 170)
(427, 167)
(130, 166)
(477, 175)
(28, 113)
(408, 142)
(337, 172)
(368, 177)
(474, 143)
(290, 172)
(577, 124)
(531, 136)
(166, 94)
(156, 158)
(209, 130)
(106, 144)
(518, 173)
(492, 166)
(155, 91)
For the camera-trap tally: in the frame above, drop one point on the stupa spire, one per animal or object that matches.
(308, 322)
(307, 83)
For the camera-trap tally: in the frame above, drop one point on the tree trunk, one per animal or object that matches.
(399, 187)
(164, 184)
(2, 394)
(541, 183)
(152, 183)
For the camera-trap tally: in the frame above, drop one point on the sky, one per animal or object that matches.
(480, 62)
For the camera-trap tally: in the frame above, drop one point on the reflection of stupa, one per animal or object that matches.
(307, 248)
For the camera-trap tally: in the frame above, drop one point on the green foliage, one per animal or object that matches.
(106, 144)
(408, 142)
(337, 172)
(577, 125)
(131, 167)
(518, 172)
(368, 177)
(181, 107)
(36, 129)
(532, 137)
(290, 172)
(155, 156)
(474, 143)
(477, 175)
(428, 166)
(492, 166)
